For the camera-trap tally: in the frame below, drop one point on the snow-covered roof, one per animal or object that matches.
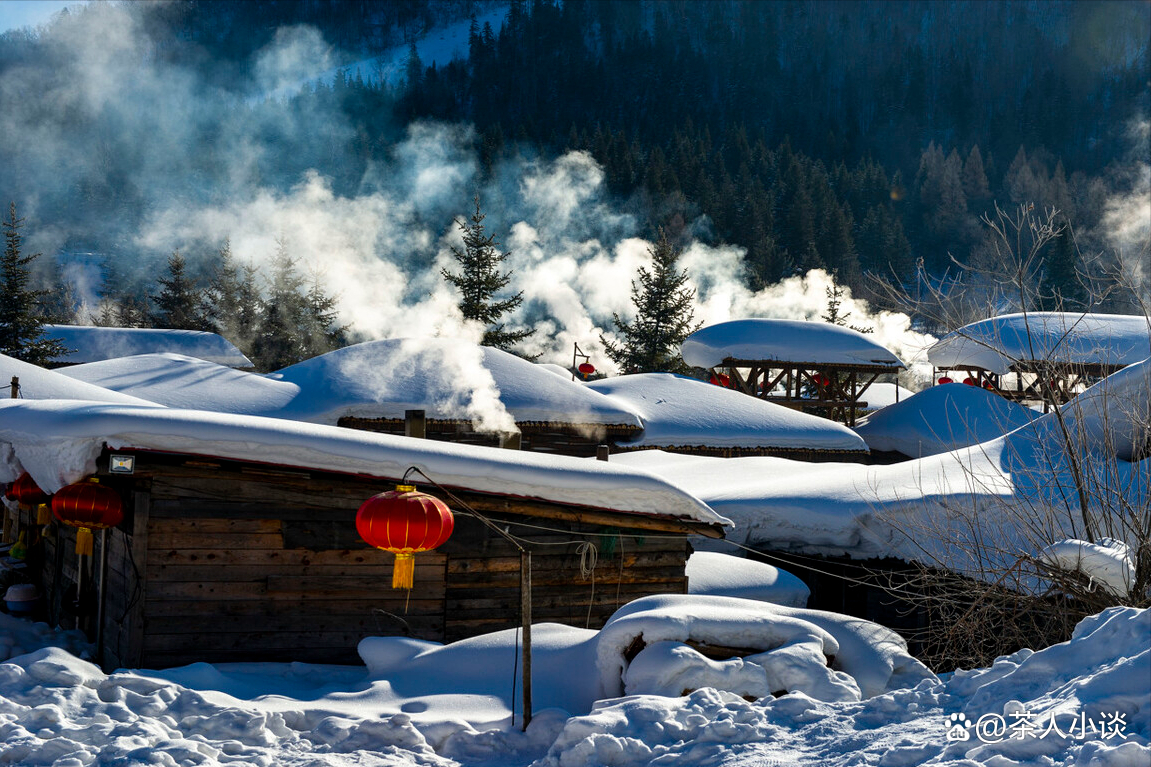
(37, 383)
(58, 441)
(909, 509)
(995, 344)
(942, 418)
(176, 380)
(683, 412)
(796, 341)
(91, 344)
(447, 378)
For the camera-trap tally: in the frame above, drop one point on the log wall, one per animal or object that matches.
(267, 565)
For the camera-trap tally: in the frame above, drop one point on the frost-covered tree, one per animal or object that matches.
(22, 308)
(479, 279)
(296, 323)
(234, 300)
(180, 304)
(664, 316)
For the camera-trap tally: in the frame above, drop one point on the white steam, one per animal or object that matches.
(1127, 215)
(379, 249)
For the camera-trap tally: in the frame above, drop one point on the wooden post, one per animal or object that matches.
(526, 619)
(15, 387)
(602, 452)
(100, 597)
(415, 424)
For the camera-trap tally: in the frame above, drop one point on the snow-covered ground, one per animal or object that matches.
(804, 688)
(1083, 702)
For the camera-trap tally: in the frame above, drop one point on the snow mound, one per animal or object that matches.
(180, 381)
(940, 419)
(92, 344)
(1109, 562)
(824, 655)
(447, 378)
(710, 573)
(679, 411)
(884, 394)
(996, 344)
(1101, 673)
(19, 636)
(38, 383)
(783, 341)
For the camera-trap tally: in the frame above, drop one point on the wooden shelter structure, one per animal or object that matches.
(1041, 358)
(815, 367)
(239, 541)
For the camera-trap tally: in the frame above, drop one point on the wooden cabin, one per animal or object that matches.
(557, 437)
(232, 559)
(816, 367)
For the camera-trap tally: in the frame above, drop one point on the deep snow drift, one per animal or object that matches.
(417, 703)
(942, 418)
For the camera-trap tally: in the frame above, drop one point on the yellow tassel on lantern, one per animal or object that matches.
(43, 514)
(404, 572)
(84, 541)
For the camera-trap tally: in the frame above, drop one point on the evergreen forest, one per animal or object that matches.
(864, 138)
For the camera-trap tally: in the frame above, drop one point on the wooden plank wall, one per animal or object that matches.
(222, 565)
(483, 574)
(262, 569)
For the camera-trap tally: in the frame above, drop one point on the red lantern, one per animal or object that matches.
(586, 369)
(969, 381)
(25, 490)
(945, 380)
(404, 521)
(87, 506)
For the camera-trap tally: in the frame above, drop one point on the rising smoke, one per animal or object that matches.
(202, 163)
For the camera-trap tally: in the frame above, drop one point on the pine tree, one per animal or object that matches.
(479, 279)
(277, 344)
(234, 300)
(21, 311)
(295, 324)
(180, 305)
(1061, 288)
(664, 316)
(321, 333)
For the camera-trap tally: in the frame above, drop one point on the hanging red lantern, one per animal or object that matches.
(87, 506)
(586, 369)
(969, 381)
(25, 491)
(404, 521)
(946, 380)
